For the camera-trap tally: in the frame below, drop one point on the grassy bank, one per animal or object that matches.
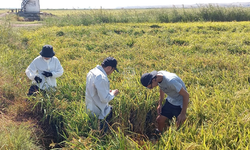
(204, 13)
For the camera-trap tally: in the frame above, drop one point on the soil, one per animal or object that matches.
(19, 25)
(15, 111)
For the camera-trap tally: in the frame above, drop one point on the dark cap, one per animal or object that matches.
(47, 51)
(147, 78)
(110, 61)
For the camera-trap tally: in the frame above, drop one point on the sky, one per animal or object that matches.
(108, 4)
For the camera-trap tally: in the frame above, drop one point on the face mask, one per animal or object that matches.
(46, 60)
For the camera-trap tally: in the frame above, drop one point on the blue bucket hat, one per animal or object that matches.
(47, 51)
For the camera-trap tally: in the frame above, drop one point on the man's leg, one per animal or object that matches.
(109, 117)
(167, 112)
(33, 89)
(104, 123)
(161, 122)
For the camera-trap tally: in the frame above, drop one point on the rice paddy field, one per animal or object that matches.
(212, 58)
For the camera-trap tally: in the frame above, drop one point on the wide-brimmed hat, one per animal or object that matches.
(147, 78)
(110, 61)
(47, 51)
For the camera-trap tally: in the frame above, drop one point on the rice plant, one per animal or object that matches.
(211, 57)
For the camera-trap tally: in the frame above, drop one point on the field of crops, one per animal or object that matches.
(212, 58)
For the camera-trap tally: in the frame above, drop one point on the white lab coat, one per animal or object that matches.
(39, 65)
(98, 95)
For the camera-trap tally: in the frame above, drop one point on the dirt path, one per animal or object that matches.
(4, 14)
(25, 25)
(18, 25)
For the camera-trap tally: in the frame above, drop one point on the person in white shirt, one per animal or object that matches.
(44, 70)
(98, 93)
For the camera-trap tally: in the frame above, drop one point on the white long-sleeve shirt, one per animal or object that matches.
(98, 95)
(39, 65)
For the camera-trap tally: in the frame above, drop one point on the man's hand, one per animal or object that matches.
(38, 79)
(182, 116)
(159, 109)
(115, 92)
(47, 74)
(180, 119)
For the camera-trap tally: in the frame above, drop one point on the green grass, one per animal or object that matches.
(17, 136)
(204, 13)
(212, 59)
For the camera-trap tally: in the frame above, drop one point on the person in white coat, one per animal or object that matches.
(98, 93)
(44, 70)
